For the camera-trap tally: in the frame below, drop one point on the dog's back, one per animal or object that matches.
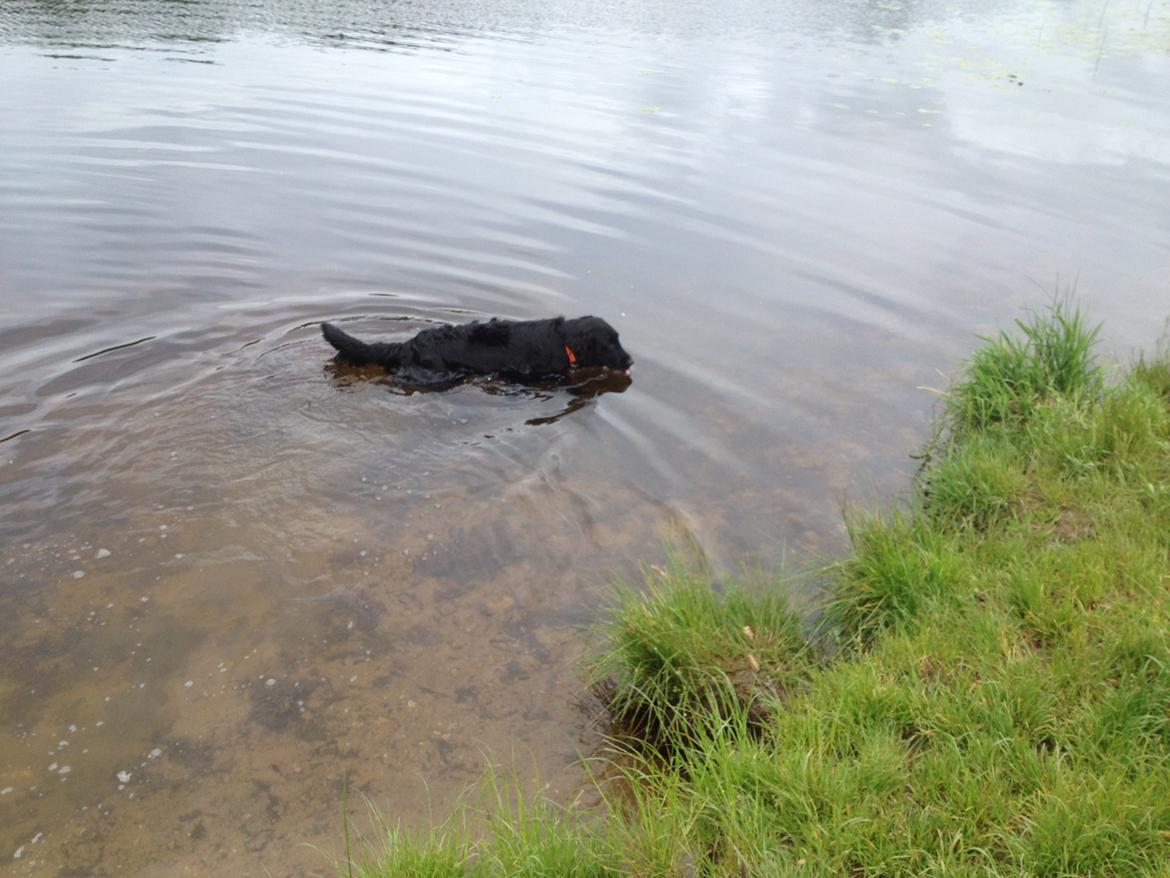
(520, 348)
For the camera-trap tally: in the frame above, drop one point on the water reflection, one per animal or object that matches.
(580, 388)
(235, 579)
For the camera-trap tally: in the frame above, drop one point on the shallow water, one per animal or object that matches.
(236, 580)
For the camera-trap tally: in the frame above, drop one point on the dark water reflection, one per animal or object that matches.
(234, 579)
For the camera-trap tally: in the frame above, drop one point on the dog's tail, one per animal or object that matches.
(350, 348)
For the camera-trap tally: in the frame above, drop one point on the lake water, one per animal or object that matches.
(235, 580)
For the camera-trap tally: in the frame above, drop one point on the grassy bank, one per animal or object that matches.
(986, 693)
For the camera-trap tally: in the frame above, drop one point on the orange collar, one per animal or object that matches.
(572, 357)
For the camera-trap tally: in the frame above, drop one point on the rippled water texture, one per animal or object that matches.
(234, 579)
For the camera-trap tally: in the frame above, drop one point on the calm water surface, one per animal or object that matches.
(234, 579)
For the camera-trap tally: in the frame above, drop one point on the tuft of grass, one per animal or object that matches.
(898, 569)
(987, 694)
(518, 836)
(679, 655)
(1010, 375)
(442, 852)
(1155, 374)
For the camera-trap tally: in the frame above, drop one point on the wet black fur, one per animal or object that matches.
(519, 349)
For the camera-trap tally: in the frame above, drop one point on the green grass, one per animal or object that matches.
(987, 692)
(680, 657)
(518, 837)
(1049, 356)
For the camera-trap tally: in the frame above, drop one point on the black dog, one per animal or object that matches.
(525, 350)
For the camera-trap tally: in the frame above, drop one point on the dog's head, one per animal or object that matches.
(595, 343)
